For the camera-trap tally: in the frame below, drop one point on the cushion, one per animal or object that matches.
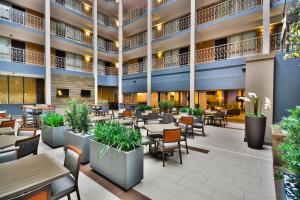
(26, 133)
(62, 187)
(147, 140)
(172, 145)
(8, 156)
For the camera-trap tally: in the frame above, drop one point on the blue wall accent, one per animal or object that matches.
(71, 72)
(225, 74)
(14, 67)
(287, 85)
(14, 109)
(108, 80)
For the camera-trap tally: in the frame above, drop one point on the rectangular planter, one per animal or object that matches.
(53, 136)
(125, 169)
(277, 138)
(80, 141)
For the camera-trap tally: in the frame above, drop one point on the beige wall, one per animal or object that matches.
(75, 84)
(260, 80)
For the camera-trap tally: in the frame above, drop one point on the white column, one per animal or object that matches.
(95, 47)
(192, 53)
(266, 26)
(47, 53)
(149, 51)
(120, 50)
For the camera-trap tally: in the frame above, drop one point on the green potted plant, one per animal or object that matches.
(79, 134)
(198, 112)
(255, 120)
(166, 106)
(289, 153)
(190, 111)
(53, 129)
(145, 108)
(183, 111)
(117, 153)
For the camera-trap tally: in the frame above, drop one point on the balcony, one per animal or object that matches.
(136, 13)
(22, 18)
(107, 46)
(103, 70)
(77, 6)
(106, 20)
(135, 68)
(70, 64)
(135, 41)
(158, 3)
(171, 61)
(68, 32)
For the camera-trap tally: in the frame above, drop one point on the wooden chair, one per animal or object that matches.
(170, 142)
(27, 132)
(127, 114)
(41, 193)
(10, 154)
(199, 125)
(146, 140)
(219, 119)
(68, 184)
(2, 115)
(10, 123)
(28, 146)
(189, 123)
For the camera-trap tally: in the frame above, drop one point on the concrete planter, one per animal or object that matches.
(278, 136)
(126, 169)
(255, 131)
(183, 113)
(80, 141)
(53, 136)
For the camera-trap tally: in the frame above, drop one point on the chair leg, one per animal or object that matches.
(77, 193)
(163, 157)
(193, 132)
(69, 197)
(180, 152)
(203, 131)
(186, 146)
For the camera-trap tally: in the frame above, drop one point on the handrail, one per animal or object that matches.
(106, 20)
(162, 30)
(171, 61)
(72, 33)
(136, 40)
(134, 68)
(107, 46)
(70, 64)
(225, 8)
(23, 56)
(136, 12)
(104, 70)
(77, 6)
(23, 18)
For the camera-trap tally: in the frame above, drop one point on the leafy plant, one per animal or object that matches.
(84, 119)
(198, 112)
(142, 108)
(53, 119)
(118, 136)
(254, 100)
(190, 111)
(290, 148)
(166, 105)
(184, 110)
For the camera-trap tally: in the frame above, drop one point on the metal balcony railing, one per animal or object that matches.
(136, 40)
(71, 64)
(136, 12)
(171, 61)
(111, 71)
(107, 46)
(135, 68)
(226, 8)
(72, 33)
(106, 20)
(11, 54)
(77, 6)
(162, 30)
(157, 3)
(20, 17)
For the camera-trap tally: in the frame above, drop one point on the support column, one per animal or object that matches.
(95, 48)
(192, 53)
(266, 26)
(149, 51)
(120, 34)
(47, 54)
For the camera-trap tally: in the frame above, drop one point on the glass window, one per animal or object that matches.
(29, 90)
(15, 90)
(3, 90)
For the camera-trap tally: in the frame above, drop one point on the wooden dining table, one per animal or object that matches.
(29, 173)
(7, 131)
(158, 128)
(9, 140)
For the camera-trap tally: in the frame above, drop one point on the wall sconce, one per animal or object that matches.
(159, 27)
(86, 7)
(117, 65)
(117, 22)
(159, 54)
(117, 43)
(59, 93)
(87, 33)
(87, 58)
(158, 1)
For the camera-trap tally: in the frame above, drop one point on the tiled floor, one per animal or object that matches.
(229, 171)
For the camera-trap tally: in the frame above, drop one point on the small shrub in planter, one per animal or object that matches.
(197, 112)
(166, 106)
(143, 108)
(117, 153)
(53, 129)
(77, 117)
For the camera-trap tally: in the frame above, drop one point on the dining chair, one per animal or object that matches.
(183, 131)
(9, 154)
(10, 123)
(199, 124)
(127, 114)
(2, 115)
(41, 193)
(139, 117)
(28, 146)
(27, 132)
(68, 184)
(153, 118)
(220, 118)
(188, 121)
(170, 142)
(146, 140)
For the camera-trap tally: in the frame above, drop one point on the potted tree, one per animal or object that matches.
(289, 153)
(256, 120)
(77, 117)
(166, 106)
(53, 129)
(183, 111)
(145, 108)
(117, 153)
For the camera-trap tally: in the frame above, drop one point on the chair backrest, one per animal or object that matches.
(153, 116)
(220, 113)
(187, 120)
(10, 123)
(73, 156)
(10, 154)
(171, 135)
(138, 114)
(127, 114)
(41, 193)
(27, 132)
(2, 115)
(28, 145)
